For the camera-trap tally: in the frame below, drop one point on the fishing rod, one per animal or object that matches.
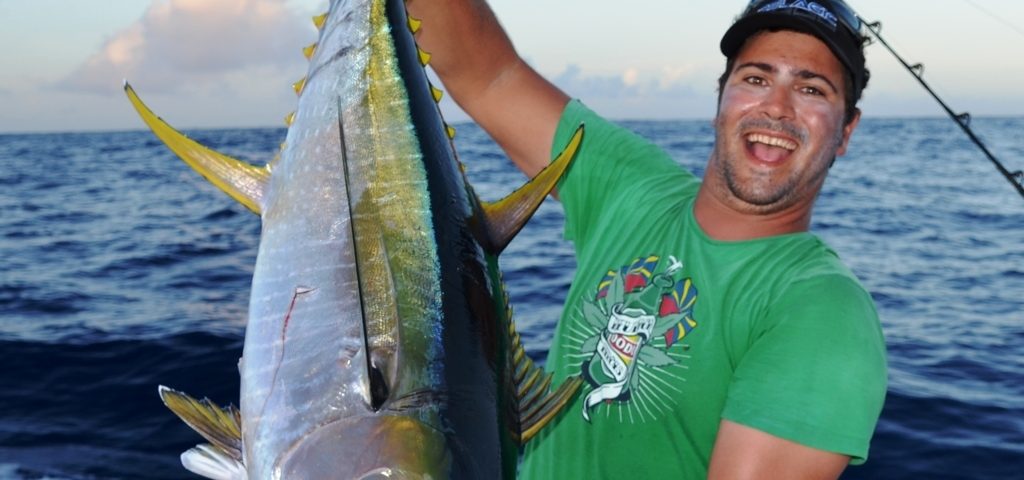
(963, 119)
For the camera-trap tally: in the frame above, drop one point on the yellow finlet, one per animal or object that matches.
(244, 182)
(451, 131)
(308, 51)
(288, 121)
(424, 57)
(414, 25)
(299, 85)
(319, 21)
(437, 93)
(536, 402)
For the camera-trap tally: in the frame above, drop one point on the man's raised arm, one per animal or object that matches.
(481, 70)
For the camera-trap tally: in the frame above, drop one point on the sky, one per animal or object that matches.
(231, 63)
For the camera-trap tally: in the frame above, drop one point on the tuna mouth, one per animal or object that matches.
(769, 148)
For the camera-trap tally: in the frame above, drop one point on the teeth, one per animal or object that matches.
(772, 141)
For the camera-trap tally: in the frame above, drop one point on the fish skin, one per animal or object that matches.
(374, 251)
(393, 161)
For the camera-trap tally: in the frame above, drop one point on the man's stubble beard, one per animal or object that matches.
(764, 193)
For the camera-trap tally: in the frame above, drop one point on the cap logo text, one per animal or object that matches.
(812, 7)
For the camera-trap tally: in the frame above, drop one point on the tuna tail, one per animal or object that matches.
(243, 182)
(222, 458)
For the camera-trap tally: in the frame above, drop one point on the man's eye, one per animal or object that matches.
(814, 91)
(754, 80)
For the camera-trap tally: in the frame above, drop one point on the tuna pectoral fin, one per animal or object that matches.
(208, 461)
(220, 426)
(537, 404)
(376, 282)
(506, 217)
(242, 181)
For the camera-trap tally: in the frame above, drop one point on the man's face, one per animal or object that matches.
(779, 124)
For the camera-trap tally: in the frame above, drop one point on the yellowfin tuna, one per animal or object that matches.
(379, 340)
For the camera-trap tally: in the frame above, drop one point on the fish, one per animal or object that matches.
(379, 341)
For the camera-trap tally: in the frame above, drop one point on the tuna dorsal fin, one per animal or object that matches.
(537, 403)
(244, 182)
(507, 216)
(220, 426)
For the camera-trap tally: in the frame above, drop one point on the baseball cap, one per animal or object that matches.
(832, 21)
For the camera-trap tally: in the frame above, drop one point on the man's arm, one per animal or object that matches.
(482, 72)
(742, 453)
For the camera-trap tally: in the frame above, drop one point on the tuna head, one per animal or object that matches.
(387, 446)
(379, 340)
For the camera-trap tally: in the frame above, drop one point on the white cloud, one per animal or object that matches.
(630, 77)
(193, 43)
(673, 75)
(668, 92)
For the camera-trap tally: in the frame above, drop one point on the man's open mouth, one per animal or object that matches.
(768, 148)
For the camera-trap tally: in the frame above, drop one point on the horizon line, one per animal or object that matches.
(456, 123)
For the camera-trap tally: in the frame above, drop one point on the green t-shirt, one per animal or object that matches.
(674, 331)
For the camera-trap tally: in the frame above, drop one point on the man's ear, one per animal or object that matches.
(848, 131)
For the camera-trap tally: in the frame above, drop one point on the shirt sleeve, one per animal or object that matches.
(611, 165)
(815, 373)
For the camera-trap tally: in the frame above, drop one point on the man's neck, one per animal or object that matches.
(721, 221)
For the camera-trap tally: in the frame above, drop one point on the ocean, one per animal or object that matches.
(121, 270)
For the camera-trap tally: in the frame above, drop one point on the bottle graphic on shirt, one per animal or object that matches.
(630, 325)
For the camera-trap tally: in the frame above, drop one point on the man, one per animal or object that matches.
(718, 338)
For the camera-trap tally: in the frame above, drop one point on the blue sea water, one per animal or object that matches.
(120, 270)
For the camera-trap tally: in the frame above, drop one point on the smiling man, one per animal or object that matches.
(717, 336)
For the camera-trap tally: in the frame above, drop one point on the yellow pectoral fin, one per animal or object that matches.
(244, 182)
(507, 216)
